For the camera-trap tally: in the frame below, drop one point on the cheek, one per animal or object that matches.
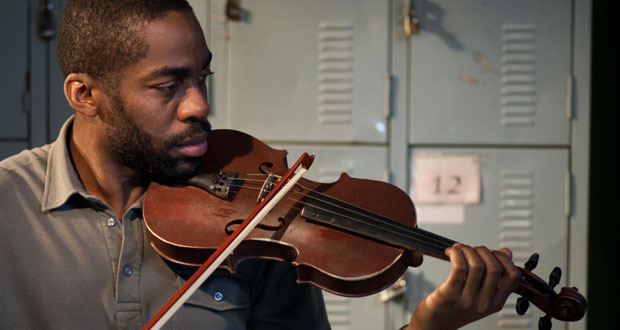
(155, 118)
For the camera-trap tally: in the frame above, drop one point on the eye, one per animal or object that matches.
(168, 88)
(203, 77)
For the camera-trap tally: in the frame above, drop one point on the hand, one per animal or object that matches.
(478, 285)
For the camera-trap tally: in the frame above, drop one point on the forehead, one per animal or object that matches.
(175, 40)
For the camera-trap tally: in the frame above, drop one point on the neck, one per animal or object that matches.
(101, 174)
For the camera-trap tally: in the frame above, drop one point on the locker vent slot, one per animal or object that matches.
(518, 102)
(335, 80)
(516, 233)
(338, 311)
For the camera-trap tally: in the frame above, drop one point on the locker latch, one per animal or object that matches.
(233, 10)
(411, 23)
(46, 20)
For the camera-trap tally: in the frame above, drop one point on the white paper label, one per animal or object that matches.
(446, 179)
(440, 214)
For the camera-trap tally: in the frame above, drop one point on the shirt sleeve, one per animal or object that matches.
(277, 301)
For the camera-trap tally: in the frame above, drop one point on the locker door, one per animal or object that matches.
(491, 72)
(304, 70)
(369, 162)
(522, 207)
(59, 108)
(14, 68)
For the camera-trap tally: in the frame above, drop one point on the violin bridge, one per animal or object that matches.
(268, 185)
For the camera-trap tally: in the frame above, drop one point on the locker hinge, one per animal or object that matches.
(26, 95)
(568, 191)
(569, 96)
(387, 93)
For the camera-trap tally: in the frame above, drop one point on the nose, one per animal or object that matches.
(194, 105)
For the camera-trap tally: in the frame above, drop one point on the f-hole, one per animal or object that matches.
(261, 168)
(232, 225)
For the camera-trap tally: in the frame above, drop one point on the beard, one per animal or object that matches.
(150, 154)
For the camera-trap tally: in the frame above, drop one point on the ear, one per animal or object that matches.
(83, 94)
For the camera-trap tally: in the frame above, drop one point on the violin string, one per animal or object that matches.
(425, 243)
(441, 242)
(405, 231)
(398, 228)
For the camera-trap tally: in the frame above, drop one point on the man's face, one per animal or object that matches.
(158, 115)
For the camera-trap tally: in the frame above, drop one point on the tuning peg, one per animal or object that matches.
(532, 262)
(554, 277)
(544, 323)
(523, 303)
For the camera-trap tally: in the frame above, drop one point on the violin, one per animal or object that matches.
(353, 237)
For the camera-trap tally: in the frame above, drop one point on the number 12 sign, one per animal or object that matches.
(446, 179)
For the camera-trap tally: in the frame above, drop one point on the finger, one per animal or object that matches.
(492, 276)
(511, 276)
(452, 287)
(507, 252)
(475, 272)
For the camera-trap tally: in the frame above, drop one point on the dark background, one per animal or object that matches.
(603, 270)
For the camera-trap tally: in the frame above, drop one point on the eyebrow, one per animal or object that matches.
(175, 71)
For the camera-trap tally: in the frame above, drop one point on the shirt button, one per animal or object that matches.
(128, 271)
(111, 222)
(218, 296)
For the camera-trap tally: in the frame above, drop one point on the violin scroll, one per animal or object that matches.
(568, 305)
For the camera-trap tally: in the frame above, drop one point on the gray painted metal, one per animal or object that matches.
(522, 207)
(491, 72)
(59, 109)
(14, 100)
(580, 152)
(368, 162)
(311, 71)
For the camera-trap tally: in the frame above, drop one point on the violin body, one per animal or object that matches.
(352, 237)
(187, 223)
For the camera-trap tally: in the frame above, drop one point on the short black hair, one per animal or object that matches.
(101, 37)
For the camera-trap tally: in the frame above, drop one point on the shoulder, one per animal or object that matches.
(27, 167)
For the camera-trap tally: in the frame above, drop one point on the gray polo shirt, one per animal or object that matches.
(67, 262)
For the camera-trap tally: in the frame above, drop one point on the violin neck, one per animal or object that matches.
(327, 210)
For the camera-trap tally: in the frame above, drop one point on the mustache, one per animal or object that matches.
(196, 128)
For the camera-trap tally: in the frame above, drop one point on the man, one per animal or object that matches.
(73, 249)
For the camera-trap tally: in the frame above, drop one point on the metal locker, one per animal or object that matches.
(522, 207)
(491, 72)
(368, 162)
(302, 70)
(58, 106)
(14, 96)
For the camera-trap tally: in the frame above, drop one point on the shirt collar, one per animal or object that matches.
(61, 179)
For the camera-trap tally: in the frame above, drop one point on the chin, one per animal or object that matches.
(178, 174)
